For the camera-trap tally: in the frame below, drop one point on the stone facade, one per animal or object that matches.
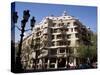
(54, 42)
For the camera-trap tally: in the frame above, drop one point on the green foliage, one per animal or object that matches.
(83, 51)
(93, 48)
(90, 50)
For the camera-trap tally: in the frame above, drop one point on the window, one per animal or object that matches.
(68, 42)
(52, 37)
(38, 52)
(55, 30)
(61, 20)
(62, 24)
(77, 41)
(75, 29)
(45, 22)
(59, 43)
(46, 60)
(77, 35)
(59, 24)
(37, 46)
(67, 29)
(76, 24)
(53, 52)
(38, 39)
(68, 23)
(71, 29)
(53, 60)
(38, 29)
(52, 65)
(45, 30)
(53, 43)
(64, 43)
(58, 36)
(59, 30)
(51, 30)
(38, 34)
(68, 36)
(71, 50)
(69, 17)
(54, 24)
(62, 50)
(45, 36)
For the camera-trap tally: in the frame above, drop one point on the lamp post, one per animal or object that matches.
(14, 18)
(26, 16)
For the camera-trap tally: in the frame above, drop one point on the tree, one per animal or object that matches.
(93, 47)
(89, 51)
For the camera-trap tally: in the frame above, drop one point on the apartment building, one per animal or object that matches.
(54, 43)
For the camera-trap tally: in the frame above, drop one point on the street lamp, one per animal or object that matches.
(32, 22)
(14, 17)
(26, 16)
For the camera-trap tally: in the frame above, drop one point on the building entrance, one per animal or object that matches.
(61, 62)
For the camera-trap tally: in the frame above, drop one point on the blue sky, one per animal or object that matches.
(86, 14)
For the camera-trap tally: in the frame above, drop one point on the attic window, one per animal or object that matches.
(45, 22)
(69, 17)
(63, 17)
(61, 20)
